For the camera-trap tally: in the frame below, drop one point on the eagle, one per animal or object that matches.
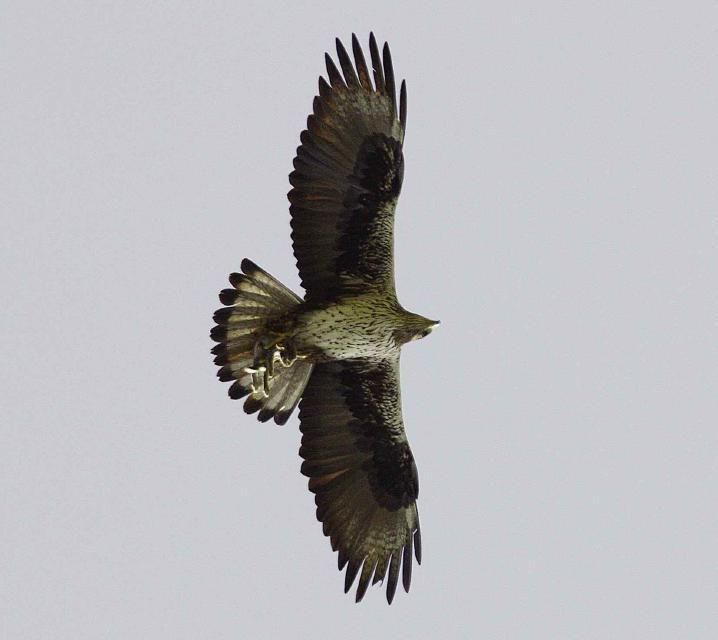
(335, 353)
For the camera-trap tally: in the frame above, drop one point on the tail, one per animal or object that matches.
(255, 301)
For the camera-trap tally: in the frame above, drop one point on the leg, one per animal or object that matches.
(268, 352)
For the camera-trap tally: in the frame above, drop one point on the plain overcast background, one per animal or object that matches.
(559, 215)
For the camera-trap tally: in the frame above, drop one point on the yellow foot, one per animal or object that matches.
(265, 357)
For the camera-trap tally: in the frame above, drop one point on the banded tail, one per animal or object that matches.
(256, 300)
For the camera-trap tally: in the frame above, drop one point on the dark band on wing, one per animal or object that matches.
(390, 468)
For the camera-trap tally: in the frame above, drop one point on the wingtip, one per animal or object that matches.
(417, 546)
(376, 64)
(324, 88)
(361, 591)
(342, 559)
(332, 71)
(360, 63)
(389, 75)
(350, 77)
(393, 576)
(406, 566)
(365, 578)
(351, 574)
(402, 104)
(339, 46)
(386, 55)
(390, 593)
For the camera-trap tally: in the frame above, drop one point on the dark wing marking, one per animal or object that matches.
(347, 178)
(361, 469)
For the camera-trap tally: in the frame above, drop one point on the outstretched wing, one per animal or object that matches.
(361, 469)
(347, 178)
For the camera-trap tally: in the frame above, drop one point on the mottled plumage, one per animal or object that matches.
(338, 349)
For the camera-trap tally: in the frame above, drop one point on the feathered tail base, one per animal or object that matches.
(271, 376)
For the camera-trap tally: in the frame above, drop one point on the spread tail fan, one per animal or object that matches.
(255, 299)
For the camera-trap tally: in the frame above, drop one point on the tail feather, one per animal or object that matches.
(256, 299)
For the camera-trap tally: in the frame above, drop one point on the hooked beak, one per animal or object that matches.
(434, 323)
(428, 330)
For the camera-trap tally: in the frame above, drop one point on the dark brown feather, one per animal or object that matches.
(345, 62)
(402, 105)
(406, 565)
(393, 576)
(367, 571)
(376, 65)
(389, 76)
(351, 574)
(335, 77)
(361, 64)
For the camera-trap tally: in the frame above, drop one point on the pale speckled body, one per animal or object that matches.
(370, 325)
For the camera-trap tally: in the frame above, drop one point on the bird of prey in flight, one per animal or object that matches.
(337, 350)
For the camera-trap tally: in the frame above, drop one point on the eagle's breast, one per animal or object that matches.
(355, 327)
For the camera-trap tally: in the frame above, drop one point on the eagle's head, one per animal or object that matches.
(413, 328)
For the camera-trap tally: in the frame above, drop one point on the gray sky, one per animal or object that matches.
(559, 215)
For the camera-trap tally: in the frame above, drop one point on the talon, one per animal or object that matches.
(262, 370)
(265, 389)
(258, 387)
(288, 355)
